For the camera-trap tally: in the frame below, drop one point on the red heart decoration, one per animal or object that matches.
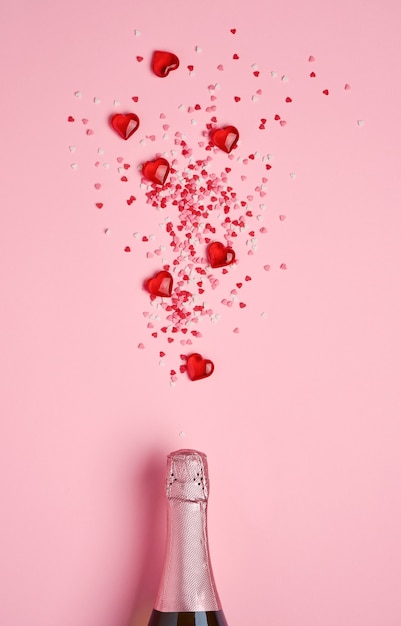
(198, 367)
(164, 62)
(160, 285)
(225, 138)
(125, 124)
(220, 255)
(156, 171)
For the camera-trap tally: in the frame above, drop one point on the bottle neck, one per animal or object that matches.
(187, 582)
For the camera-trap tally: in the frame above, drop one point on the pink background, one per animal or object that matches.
(301, 418)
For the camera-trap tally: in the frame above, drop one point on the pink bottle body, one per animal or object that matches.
(187, 592)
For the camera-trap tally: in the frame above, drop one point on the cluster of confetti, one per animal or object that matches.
(204, 218)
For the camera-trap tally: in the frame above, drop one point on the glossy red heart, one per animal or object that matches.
(198, 367)
(225, 138)
(220, 255)
(164, 62)
(125, 124)
(156, 171)
(160, 285)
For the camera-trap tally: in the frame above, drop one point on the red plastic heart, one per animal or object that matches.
(198, 367)
(125, 124)
(156, 171)
(225, 138)
(164, 62)
(160, 285)
(220, 255)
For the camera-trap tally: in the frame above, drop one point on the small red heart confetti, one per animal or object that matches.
(127, 249)
(135, 98)
(125, 124)
(160, 285)
(326, 92)
(233, 30)
(99, 205)
(312, 75)
(237, 98)
(235, 57)
(219, 255)
(70, 119)
(139, 59)
(156, 171)
(311, 59)
(198, 367)
(225, 138)
(164, 62)
(190, 67)
(288, 99)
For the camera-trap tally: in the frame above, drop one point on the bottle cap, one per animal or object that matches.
(187, 475)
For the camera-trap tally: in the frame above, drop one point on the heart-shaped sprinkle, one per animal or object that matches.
(164, 62)
(125, 124)
(225, 138)
(198, 367)
(156, 171)
(220, 255)
(161, 284)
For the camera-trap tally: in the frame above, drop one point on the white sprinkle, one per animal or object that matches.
(74, 166)
(137, 33)
(116, 103)
(181, 433)
(162, 363)
(100, 151)
(165, 137)
(284, 78)
(181, 107)
(142, 142)
(255, 99)
(136, 235)
(360, 122)
(293, 175)
(106, 166)
(107, 231)
(273, 74)
(254, 66)
(193, 122)
(263, 314)
(96, 100)
(198, 49)
(78, 94)
(72, 148)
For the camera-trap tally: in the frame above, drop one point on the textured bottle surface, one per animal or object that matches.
(187, 593)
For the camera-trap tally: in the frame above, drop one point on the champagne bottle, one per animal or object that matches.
(187, 593)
